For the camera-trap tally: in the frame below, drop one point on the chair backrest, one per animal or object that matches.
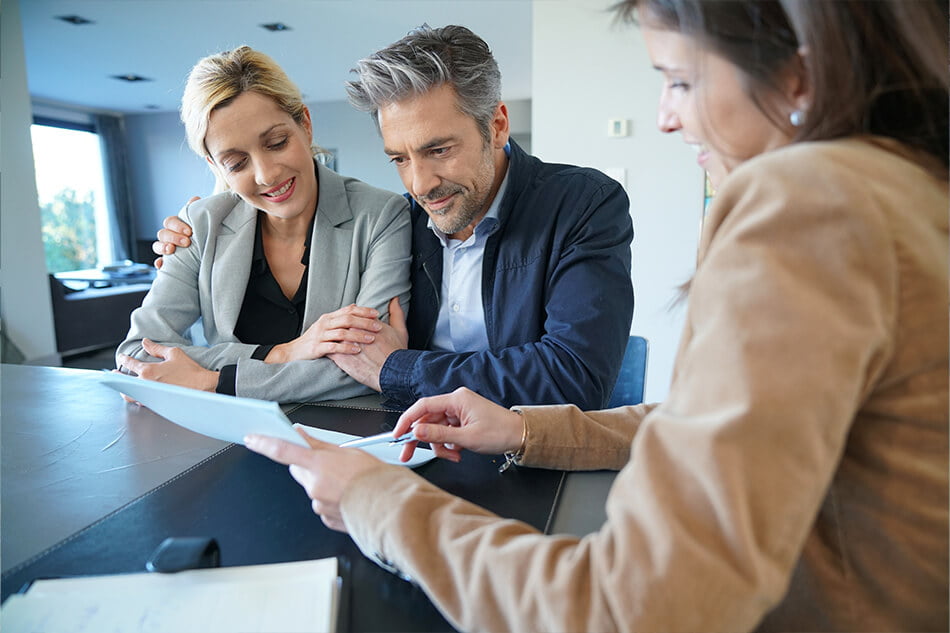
(629, 387)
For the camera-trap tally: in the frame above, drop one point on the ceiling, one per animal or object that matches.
(162, 39)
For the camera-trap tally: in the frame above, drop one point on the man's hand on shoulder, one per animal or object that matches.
(175, 232)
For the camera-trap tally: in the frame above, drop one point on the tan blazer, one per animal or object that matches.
(796, 476)
(360, 252)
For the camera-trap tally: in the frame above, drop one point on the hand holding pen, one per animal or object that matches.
(461, 419)
(382, 438)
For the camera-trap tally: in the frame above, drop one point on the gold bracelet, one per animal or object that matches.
(524, 435)
(511, 459)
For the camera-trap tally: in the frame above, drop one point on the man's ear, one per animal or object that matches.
(500, 126)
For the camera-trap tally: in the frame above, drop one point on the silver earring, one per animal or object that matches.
(797, 118)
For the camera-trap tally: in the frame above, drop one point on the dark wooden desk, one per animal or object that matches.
(248, 503)
(72, 451)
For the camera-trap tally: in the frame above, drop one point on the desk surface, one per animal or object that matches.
(91, 484)
(72, 451)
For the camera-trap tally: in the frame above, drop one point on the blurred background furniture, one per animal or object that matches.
(95, 316)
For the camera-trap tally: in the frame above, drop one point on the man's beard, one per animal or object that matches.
(459, 214)
(467, 205)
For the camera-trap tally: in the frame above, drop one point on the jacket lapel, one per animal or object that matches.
(426, 280)
(330, 247)
(232, 266)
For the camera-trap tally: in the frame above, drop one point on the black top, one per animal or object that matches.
(267, 316)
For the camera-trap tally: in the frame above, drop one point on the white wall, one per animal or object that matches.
(25, 307)
(586, 71)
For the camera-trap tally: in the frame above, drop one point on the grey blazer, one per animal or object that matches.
(360, 253)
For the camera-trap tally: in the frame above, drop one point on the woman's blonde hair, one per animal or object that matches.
(219, 79)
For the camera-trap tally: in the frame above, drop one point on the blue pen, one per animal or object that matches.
(382, 438)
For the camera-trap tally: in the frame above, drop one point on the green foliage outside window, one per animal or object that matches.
(69, 232)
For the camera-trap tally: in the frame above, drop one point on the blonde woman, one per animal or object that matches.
(280, 259)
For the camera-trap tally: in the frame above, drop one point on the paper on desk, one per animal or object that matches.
(291, 597)
(230, 418)
(384, 452)
(213, 414)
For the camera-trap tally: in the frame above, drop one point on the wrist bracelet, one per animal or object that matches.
(511, 459)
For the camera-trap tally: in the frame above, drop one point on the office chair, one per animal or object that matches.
(629, 387)
(588, 491)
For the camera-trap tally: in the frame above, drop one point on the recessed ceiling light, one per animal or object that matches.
(131, 78)
(275, 26)
(74, 19)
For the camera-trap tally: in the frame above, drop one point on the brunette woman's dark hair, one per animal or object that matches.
(873, 66)
(877, 67)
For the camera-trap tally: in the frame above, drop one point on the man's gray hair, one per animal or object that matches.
(425, 59)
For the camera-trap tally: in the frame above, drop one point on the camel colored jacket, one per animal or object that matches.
(796, 477)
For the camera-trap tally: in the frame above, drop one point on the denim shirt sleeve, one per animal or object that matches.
(395, 378)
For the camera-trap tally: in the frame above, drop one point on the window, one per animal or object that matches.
(72, 196)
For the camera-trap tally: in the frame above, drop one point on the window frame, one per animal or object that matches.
(108, 212)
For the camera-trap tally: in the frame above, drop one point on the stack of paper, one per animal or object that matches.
(285, 597)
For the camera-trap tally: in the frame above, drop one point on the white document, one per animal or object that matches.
(230, 418)
(286, 597)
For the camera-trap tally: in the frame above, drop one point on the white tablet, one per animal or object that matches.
(230, 418)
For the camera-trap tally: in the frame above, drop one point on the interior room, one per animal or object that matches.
(555, 58)
(111, 475)
(415, 370)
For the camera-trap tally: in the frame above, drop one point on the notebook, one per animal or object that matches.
(288, 597)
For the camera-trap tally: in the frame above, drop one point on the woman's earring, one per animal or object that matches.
(797, 118)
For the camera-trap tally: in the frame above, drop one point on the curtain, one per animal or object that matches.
(115, 158)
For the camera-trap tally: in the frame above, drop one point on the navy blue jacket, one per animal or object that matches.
(556, 291)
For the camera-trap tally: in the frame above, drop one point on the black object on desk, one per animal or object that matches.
(178, 553)
(259, 514)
